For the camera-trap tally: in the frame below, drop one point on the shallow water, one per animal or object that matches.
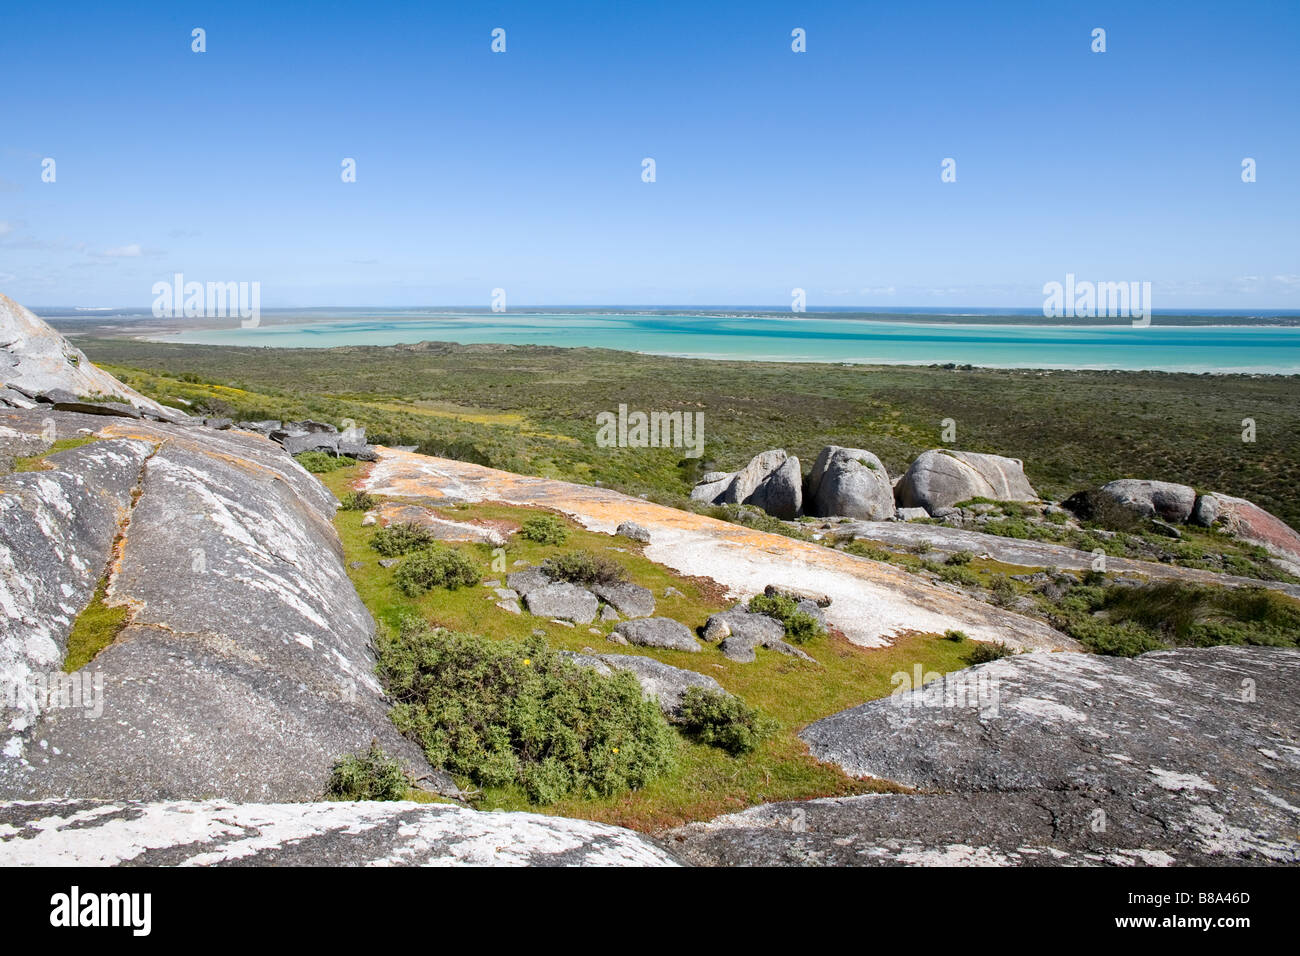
(803, 339)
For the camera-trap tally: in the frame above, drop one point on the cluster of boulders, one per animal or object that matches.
(854, 483)
(308, 435)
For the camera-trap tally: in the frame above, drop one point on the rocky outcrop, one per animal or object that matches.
(36, 360)
(666, 683)
(941, 478)
(562, 601)
(662, 632)
(1251, 523)
(83, 833)
(1176, 757)
(244, 668)
(739, 631)
(630, 600)
(850, 482)
(1152, 499)
(771, 481)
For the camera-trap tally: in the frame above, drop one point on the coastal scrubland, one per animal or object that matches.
(533, 410)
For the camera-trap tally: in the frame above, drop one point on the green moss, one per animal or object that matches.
(94, 629)
(38, 462)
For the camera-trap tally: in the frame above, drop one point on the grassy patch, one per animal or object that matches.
(94, 629)
(39, 463)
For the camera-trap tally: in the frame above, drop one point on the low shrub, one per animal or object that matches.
(961, 557)
(320, 462)
(1002, 590)
(372, 775)
(516, 714)
(722, 720)
(544, 529)
(955, 636)
(982, 653)
(357, 501)
(799, 625)
(435, 567)
(584, 567)
(401, 538)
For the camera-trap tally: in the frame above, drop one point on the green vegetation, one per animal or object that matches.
(401, 538)
(983, 652)
(705, 780)
(1126, 619)
(94, 629)
(584, 567)
(435, 567)
(800, 627)
(544, 529)
(320, 462)
(722, 720)
(369, 776)
(38, 462)
(357, 501)
(507, 713)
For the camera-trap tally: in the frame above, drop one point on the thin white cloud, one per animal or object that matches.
(132, 251)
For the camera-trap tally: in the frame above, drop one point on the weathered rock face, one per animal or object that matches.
(36, 359)
(1152, 499)
(219, 833)
(771, 481)
(659, 632)
(1185, 756)
(940, 478)
(245, 667)
(850, 482)
(1251, 523)
(564, 601)
(630, 600)
(669, 684)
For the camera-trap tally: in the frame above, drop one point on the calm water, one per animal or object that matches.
(1168, 348)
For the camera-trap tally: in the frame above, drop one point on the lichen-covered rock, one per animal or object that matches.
(632, 530)
(1176, 757)
(1152, 499)
(940, 478)
(564, 601)
(851, 482)
(528, 580)
(1249, 522)
(245, 668)
(630, 600)
(38, 360)
(659, 632)
(82, 833)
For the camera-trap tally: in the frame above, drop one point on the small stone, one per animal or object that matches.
(511, 607)
(387, 562)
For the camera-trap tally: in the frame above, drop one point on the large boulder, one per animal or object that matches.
(661, 632)
(1152, 499)
(36, 360)
(850, 482)
(771, 481)
(244, 667)
(630, 600)
(941, 478)
(85, 833)
(1250, 523)
(564, 601)
(1050, 760)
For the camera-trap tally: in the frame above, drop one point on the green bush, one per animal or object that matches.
(544, 529)
(515, 713)
(961, 557)
(319, 462)
(401, 538)
(722, 720)
(1002, 590)
(955, 636)
(799, 626)
(435, 567)
(583, 567)
(982, 653)
(357, 501)
(369, 776)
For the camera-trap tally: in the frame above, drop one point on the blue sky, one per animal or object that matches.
(522, 170)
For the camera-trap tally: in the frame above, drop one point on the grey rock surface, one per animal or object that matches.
(659, 632)
(940, 478)
(528, 580)
(1153, 499)
(632, 530)
(798, 594)
(771, 480)
(85, 833)
(851, 482)
(657, 679)
(564, 601)
(630, 600)
(1176, 757)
